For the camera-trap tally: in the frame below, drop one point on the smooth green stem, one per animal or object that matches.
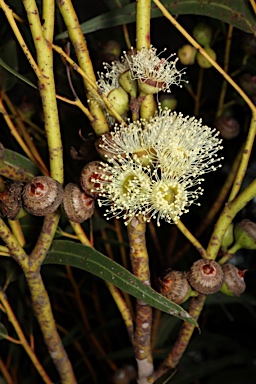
(245, 158)
(48, 17)
(46, 87)
(143, 9)
(226, 217)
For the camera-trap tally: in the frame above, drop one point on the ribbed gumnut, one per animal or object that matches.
(245, 234)
(228, 127)
(10, 200)
(202, 33)
(206, 276)
(234, 284)
(119, 100)
(202, 61)
(175, 286)
(91, 172)
(187, 54)
(77, 205)
(42, 195)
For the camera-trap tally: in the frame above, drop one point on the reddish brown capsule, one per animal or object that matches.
(228, 126)
(91, 172)
(42, 195)
(234, 284)
(10, 200)
(77, 205)
(206, 276)
(175, 286)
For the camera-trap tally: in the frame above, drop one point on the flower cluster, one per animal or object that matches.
(154, 167)
(142, 69)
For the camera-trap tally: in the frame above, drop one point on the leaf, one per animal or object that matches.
(8, 54)
(3, 331)
(15, 166)
(15, 73)
(235, 12)
(92, 261)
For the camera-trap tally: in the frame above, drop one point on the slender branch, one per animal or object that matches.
(48, 13)
(46, 87)
(42, 308)
(191, 238)
(140, 266)
(187, 329)
(14, 247)
(22, 339)
(77, 38)
(10, 17)
(143, 9)
(202, 51)
(226, 64)
(226, 217)
(245, 158)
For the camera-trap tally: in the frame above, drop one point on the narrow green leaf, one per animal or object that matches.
(15, 73)
(15, 166)
(3, 331)
(235, 12)
(8, 54)
(92, 261)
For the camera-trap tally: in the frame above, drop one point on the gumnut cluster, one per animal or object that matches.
(204, 277)
(43, 195)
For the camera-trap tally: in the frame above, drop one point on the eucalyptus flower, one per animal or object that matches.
(154, 167)
(153, 73)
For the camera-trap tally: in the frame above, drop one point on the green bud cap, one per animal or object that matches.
(128, 84)
(202, 61)
(203, 34)
(119, 99)
(187, 54)
(245, 234)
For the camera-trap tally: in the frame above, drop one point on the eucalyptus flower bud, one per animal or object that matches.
(202, 61)
(168, 101)
(203, 34)
(148, 107)
(128, 84)
(187, 54)
(119, 99)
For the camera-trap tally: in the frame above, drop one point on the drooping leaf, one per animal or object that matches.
(235, 12)
(92, 261)
(15, 166)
